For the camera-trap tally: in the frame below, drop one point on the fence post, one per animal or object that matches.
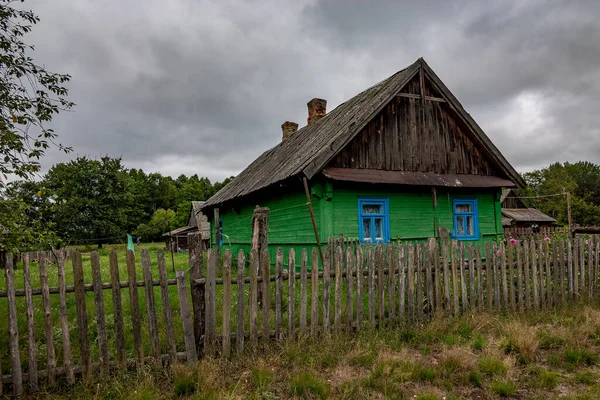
(135, 311)
(239, 329)
(227, 304)
(186, 319)
(13, 330)
(117, 310)
(64, 321)
(260, 239)
(196, 262)
(82, 328)
(50, 353)
(151, 307)
(211, 303)
(33, 372)
(100, 318)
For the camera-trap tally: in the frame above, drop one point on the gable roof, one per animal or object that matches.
(309, 150)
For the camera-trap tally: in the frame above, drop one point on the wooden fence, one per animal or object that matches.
(358, 287)
(547, 231)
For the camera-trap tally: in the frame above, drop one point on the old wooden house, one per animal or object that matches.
(515, 214)
(401, 160)
(177, 239)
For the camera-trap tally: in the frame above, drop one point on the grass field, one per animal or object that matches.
(540, 355)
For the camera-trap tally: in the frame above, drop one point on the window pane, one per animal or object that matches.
(367, 229)
(464, 208)
(470, 227)
(372, 209)
(379, 228)
(460, 226)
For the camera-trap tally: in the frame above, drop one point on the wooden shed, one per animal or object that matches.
(515, 214)
(177, 239)
(401, 160)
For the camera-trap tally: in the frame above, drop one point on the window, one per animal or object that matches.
(466, 225)
(373, 220)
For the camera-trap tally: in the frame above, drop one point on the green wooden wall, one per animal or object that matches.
(412, 215)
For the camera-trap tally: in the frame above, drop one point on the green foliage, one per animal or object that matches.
(504, 388)
(29, 97)
(586, 377)
(491, 365)
(309, 386)
(261, 378)
(579, 356)
(546, 379)
(161, 221)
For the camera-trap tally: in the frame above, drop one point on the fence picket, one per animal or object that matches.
(82, 327)
(463, 280)
(64, 321)
(196, 264)
(581, 268)
(210, 300)
(278, 291)
(534, 276)
(548, 275)
(32, 357)
(410, 278)
(561, 255)
(47, 306)
(371, 286)
(349, 287)
(337, 319)
(314, 292)
(100, 317)
(291, 293)
(186, 318)
(520, 299)
(429, 257)
(379, 263)
(166, 307)
(511, 275)
(435, 251)
(472, 301)
(117, 310)
(241, 266)
(253, 298)
(541, 272)
(402, 264)
(13, 329)
(419, 267)
(391, 288)
(575, 268)
(326, 295)
(590, 268)
(227, 304)
(359, 286)
(303, 281)
(488, 276)
(479, 267)
(526, 273)
(446, 274)
(266, 293)
(150, 306)
(504, 277)
(453, 260)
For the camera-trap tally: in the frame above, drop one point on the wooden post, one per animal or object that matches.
(239, 329)
(419, 287)
(326, 279)
(337, 320)
(13, 329)
(488, 276)
(217, 231)
(278, 292)
(453, 259)
(64, 321)
(266, 293)
(210, 300)
(511, 275)
(570, 268)
(303, 281)
(50, 353)
(371, 284)
(526, 273)
(227, 304)
(463, 280)
(166, 307)
(446, 274)
(312, 217)
(568, 194)
(196, 263)
(402, 261)
(100, 318)
(117, 309)
(349, 286)
(434, 252)
(253, 298)
(135, 311)
(150, 306)
(33, 371)
(260, 239)
(472, 301)
(359, 286)
(479, 267)
(314, 293)
(520, 300)
(186, 319)
(291, 292)
(82, 328)
(429, 262)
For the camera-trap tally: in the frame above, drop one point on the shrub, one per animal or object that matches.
(504, 388)
(309, 386)
(491, 365)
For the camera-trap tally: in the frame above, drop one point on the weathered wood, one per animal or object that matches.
(582, 268)
(555, 273)
(227, 304)
(527, 271)
(64, 320)
(497, 278)
(291, 293)
(186, 319)
(100, 317)
(428, 259)
(303, 281)
(239, 329)
(349, 287)
(590, 269)
(265, 259)
(447, 304)
(463, 279)
(278, 292)
(548, 275)
(196, 263)
(166, 308)
(339, 261)
(150, 306)
(520, 299)
(410, 278)
(534, 275)
(135, 311)
(453, 260)
(419, 269)
(562, 263)
(504, 278)
(596, 265)
(210, 301)
(47, 306)
(540, 246)
(33, 372)
(379, 263)
(435, 256)
(371, 286)
(314, 292)
(217, 226)
(511, 275)
(575, 269)
(326, 295)
(479, 266)
(402, 264)
(13, 329)
(489, 276)
(570, 269)
(82, 328)
(472, 298)
(359, 286)
(391, 282)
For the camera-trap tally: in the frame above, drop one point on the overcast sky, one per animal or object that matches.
(200, 87)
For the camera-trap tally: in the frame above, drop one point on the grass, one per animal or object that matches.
(389, 363)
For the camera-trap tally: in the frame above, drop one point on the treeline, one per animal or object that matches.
(582, 179)
(97, 201)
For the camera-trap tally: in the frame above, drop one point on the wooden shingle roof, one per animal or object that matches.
(309, 150)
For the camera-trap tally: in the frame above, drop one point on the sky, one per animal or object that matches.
(202, 87)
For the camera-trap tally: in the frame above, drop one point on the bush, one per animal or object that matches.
(309, 386)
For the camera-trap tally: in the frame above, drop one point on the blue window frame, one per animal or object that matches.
(466, 221)
(373, 220)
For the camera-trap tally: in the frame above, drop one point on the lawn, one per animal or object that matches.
(538, 355)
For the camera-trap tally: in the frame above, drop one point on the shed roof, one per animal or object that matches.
(527, 215)
(309, 150)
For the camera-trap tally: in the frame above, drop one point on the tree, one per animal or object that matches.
(29, 97)
(160, 223)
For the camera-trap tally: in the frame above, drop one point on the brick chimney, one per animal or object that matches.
(288, 128)
(317, 108)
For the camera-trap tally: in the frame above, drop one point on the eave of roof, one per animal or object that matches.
(527, 215)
